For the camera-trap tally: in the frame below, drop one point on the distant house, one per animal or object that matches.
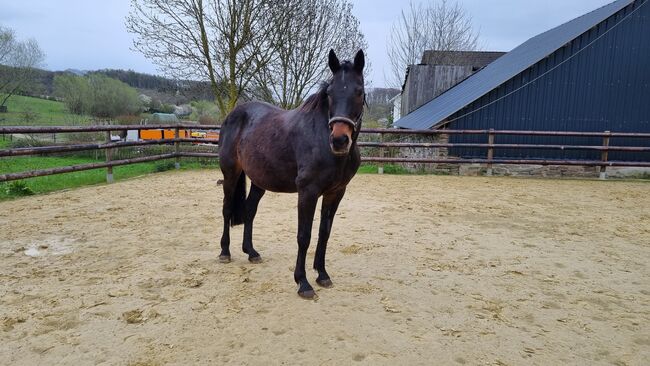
(589, 74)
(397, 106)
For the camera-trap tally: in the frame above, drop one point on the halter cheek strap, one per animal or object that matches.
(350, 122)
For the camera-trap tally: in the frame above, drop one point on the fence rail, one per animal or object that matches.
(108, 146)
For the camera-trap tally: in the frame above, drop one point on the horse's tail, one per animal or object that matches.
(239, 201)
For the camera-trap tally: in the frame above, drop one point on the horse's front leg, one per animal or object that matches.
(307, 199)
(328, 210)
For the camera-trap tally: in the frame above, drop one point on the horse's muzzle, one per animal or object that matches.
(340, 145)
(341, 137)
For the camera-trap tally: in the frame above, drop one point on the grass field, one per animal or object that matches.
(76, 179)
(38, 112)
(388, 169)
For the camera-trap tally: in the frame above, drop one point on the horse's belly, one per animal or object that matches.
(272, 184)
(269, 175)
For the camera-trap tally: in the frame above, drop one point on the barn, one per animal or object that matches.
(437, 72)
(590, 74)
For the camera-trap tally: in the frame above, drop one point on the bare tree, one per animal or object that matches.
(224, 41)
(438, 25)
(308, 29)
(18, 60)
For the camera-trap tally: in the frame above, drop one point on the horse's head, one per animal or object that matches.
(345, 95)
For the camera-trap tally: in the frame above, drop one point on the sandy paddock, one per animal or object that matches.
(427, 270)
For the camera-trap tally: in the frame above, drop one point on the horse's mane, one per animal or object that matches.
(315, 101)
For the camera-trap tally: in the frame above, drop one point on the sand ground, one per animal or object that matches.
(427, 270)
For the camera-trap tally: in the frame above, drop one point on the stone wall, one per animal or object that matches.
(425, 153)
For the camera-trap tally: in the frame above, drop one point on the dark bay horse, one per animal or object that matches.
(311, 150)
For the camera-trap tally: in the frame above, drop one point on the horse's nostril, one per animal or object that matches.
(340, 141)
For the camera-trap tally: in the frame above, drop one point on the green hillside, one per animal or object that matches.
(28, 111)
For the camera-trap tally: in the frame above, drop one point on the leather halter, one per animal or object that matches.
(350, 122)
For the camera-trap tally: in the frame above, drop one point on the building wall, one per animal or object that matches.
(604, 86)
(397, 107)
(475, 59)
(425, 82)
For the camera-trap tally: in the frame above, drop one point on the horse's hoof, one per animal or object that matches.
(255, 260)
(327, 283)
(308, 295)
(224, 259)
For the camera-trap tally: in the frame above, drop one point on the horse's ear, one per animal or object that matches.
(359, 61)
(333, 62)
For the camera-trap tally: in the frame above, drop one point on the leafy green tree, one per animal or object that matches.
(74, 91)
(110, 97)
(97, 95)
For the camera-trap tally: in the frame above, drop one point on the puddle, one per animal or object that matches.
(53, 246)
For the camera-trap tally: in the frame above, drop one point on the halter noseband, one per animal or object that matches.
(350, 122)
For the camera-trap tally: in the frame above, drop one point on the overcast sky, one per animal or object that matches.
(90, 34)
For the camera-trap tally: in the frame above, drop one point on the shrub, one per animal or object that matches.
(207, 120)
(167, 108)
(18, 188)
(164, 166)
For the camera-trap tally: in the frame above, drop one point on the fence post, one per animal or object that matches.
(490, 152)
(380, 167)
(177, 149)
(604, 156)
(109, 157)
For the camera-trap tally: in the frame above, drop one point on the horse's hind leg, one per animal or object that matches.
(232, 186)
(252, 201)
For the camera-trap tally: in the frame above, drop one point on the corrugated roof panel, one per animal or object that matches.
(505, 68)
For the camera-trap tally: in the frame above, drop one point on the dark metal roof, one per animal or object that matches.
(505, 67)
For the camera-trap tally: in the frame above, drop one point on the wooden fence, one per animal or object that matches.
(109, 146)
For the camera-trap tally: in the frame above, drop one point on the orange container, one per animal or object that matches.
(170, 134)
(151, 134)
